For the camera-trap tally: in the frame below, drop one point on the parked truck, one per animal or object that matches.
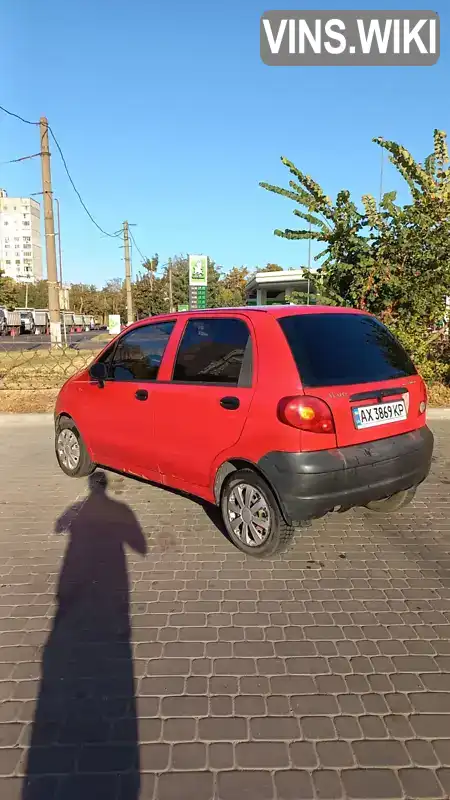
(78, 323)
(34, 320)
(89, 322)
(67, 320)
(26, 320)
(10, 322)
(41, 320)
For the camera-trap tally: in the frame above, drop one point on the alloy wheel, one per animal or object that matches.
(248, 514)
(68, 449)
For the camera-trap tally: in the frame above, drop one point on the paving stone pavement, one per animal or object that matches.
(183, 670)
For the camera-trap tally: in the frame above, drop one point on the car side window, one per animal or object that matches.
(215, 351)
(138, 354)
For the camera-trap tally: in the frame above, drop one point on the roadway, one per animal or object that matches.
(41, 341)
(141, 655)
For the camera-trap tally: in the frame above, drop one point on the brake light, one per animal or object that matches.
(307, 413)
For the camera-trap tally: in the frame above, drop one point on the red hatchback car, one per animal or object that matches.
(276, 414)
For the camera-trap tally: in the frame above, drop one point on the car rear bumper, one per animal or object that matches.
(311, 484)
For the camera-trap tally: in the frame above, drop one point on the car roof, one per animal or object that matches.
(273, 310)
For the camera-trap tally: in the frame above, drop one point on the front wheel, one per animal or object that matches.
(252, 517)
(393, 503)
(71, 452)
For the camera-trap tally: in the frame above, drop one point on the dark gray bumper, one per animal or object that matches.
(309, 485)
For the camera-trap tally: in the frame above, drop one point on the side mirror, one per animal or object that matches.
(98, 372)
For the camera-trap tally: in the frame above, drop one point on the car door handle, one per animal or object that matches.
(230, 403)
(141, 394)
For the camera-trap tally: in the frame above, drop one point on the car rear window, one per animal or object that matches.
(339, 349)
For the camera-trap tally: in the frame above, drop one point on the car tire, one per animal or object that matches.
(71, 453)
(266, 532)
(394, 503)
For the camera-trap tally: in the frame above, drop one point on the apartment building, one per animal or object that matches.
(20, 238)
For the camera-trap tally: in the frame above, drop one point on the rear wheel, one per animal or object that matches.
(393, 503)
(71, 452)
(251, 515)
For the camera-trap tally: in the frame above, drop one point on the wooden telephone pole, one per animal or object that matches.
(50, 245)
(126, 241)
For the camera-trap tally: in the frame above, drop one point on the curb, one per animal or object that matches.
(438, 413)
(16, 420)
(8, 420)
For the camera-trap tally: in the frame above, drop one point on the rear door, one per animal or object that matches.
(201, 411)
(353, 362)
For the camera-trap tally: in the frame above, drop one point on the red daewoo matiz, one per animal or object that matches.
(276, 414)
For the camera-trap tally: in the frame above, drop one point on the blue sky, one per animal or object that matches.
(168, 118)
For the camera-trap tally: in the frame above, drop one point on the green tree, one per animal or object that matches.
(232, 287)
(213, 297)
(150, 296)
(151, 266)
(9, 292)
(37, 294)
(84, 299)
(88, 299)
(180, 282)
(391, 260)
(271, 268)
(339, 226)
(114, 293)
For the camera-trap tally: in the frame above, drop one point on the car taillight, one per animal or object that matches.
(307, 413)
(424, 398)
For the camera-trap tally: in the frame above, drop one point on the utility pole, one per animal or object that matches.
(62, 300)
(50, 248)
(169, 272)
(126, 241)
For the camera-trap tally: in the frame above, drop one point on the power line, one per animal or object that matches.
(16, 160)
(29, 122)
(105, 233)
(17, 116)
(137, 248)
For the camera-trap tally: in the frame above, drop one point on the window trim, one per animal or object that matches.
(246, 374)
(114, 345)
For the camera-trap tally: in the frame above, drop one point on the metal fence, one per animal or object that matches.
(27, 363)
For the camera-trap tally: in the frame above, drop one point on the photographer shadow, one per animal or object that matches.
(84, 740)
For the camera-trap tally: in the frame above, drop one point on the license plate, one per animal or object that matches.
(379, 414)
